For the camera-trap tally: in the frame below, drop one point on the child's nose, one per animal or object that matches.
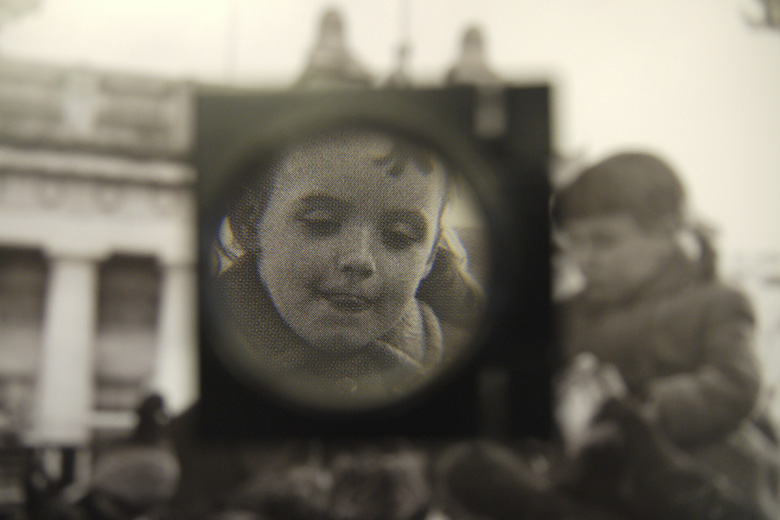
(356, 258)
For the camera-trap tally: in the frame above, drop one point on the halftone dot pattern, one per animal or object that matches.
(344, 289)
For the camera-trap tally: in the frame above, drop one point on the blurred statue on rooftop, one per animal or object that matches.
(331, 65)
(471, 68)
(770, 17)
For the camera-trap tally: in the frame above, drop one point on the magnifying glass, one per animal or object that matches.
(349, 252)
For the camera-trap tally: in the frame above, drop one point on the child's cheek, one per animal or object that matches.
(315, 259)
(404, 272)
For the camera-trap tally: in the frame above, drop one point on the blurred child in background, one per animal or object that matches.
(652, 308)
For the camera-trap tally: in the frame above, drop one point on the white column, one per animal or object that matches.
(176, 367)
(63, 400)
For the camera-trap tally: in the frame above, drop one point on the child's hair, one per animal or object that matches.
(634, 183)
(246, 212)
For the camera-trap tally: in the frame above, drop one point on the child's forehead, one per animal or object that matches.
(620, 222)
(364, 170)
(361, 159)
(365, 151)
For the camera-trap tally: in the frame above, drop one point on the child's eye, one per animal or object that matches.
(322, 227)
(320, 223)
(401, 235)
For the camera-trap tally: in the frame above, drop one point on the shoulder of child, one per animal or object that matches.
(722, 299)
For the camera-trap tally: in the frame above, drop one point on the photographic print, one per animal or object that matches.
(661, 146)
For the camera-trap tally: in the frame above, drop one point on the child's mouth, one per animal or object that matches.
(346, 302)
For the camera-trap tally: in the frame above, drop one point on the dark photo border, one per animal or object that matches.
(504, 388)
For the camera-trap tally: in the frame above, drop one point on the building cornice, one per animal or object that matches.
(92, 166)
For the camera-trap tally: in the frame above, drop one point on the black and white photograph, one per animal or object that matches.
(350, 245)
(342, 271)
(177, 271)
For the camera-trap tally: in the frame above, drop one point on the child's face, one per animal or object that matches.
(616, 255)
(344, 245)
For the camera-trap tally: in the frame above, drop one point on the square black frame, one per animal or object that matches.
(506, 389)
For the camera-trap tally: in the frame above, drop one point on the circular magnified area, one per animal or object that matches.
(350, 269)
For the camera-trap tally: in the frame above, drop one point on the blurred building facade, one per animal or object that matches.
(96, 248)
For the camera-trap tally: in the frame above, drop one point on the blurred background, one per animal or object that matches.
(97, 239)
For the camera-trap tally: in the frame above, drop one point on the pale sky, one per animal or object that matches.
(689, 79)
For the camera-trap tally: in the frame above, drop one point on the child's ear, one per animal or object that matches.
(437, 245)
(244, 229)
(239, 234)
(431, 260)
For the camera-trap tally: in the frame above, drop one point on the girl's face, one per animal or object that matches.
(615, 254)
(343, 244)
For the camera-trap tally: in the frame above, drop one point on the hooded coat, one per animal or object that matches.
(683, 344)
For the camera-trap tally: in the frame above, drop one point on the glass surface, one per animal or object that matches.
(350, 269)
